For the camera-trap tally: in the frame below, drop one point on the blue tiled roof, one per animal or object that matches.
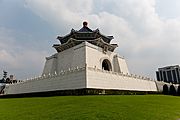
(85, 29)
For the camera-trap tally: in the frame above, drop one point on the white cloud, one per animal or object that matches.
(16, 58)
(168, 8)
(146, 40)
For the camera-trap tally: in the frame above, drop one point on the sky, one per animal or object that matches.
(147, 31)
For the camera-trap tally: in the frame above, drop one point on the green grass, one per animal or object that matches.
(117, 107)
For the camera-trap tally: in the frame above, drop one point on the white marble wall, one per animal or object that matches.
(84, 56)
(66, 80)
(86, 77)
(85, 53)
(122, 65)
(51, 64)
(108, 80)
(66, 59)
(95, 57)
(160, 85)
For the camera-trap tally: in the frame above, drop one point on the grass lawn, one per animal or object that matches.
(117, 107)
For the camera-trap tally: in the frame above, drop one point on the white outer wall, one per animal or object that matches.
(160, 85)
(67, 81)
(82, 55)
(104, 80)
(82, 78)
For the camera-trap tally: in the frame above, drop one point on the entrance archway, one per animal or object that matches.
(178, 91)
(172, 90)
(165, 89)
(106, 65)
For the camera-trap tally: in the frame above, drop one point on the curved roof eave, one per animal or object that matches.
(72, 42)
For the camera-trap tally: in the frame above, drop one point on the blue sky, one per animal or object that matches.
(147, 31)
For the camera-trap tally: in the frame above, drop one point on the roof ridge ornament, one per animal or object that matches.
(85, 24)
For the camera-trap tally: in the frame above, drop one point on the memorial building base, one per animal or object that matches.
(79, 92)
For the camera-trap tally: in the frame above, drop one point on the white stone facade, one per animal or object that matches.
(82, 67)
(101, 79)
(65, 80)
(80, 78)
(81, 55)
(65, 60)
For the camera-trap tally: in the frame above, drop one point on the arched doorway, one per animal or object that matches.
(106, 65)
(165, 89)
(178, 91)
(172, 90)
(2, 89)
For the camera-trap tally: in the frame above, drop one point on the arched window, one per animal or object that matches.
(165, 90)
(106, 65)
(178, 91)
(172, 90)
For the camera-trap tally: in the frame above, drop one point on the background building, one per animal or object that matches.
(170, 74)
